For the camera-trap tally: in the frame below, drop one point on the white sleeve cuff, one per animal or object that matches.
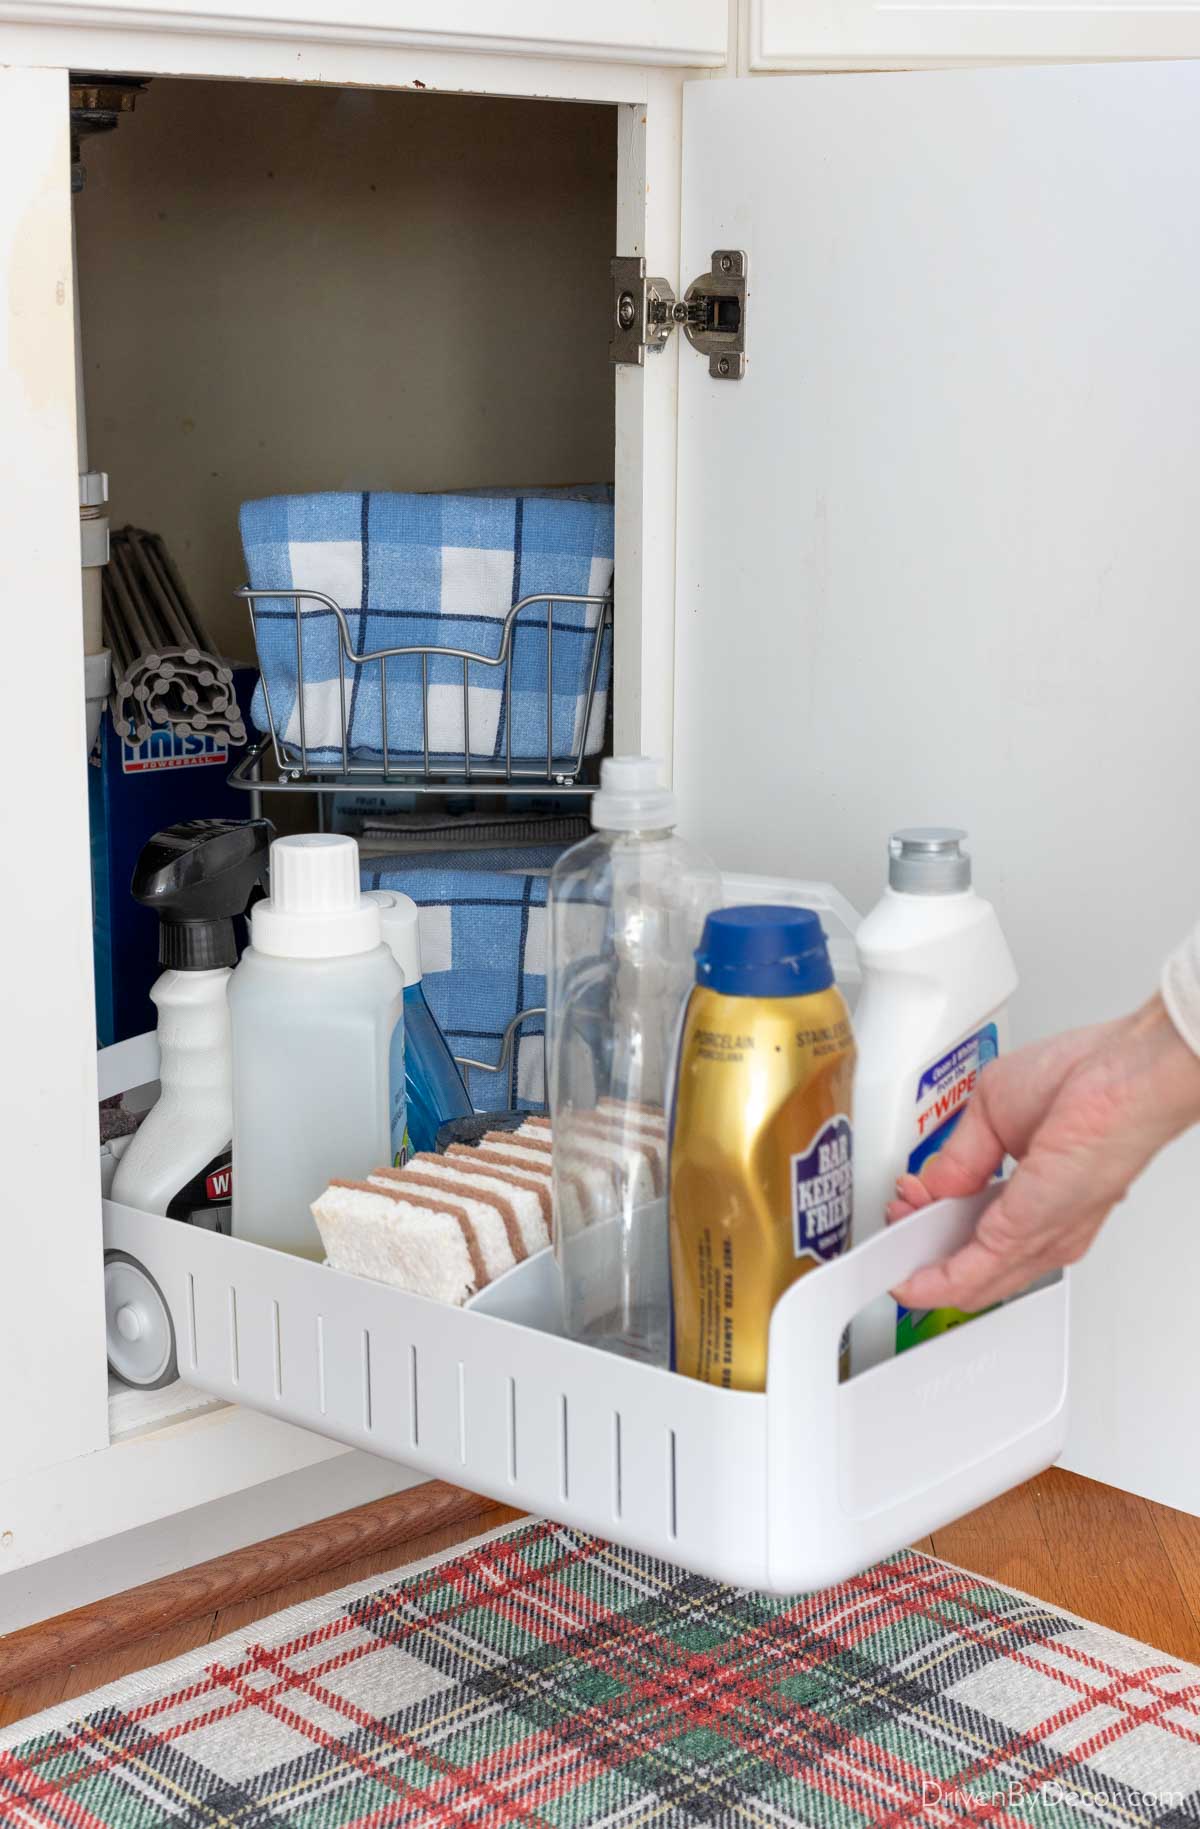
(1181, 989)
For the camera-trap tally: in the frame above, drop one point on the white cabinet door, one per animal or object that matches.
(680, 32)
(938, 562)
(51, 1301)
(875, 34)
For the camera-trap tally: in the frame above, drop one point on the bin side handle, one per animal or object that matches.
(844, 1285)
(918, 1440)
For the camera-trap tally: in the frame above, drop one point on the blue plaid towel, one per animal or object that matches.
(440, 571)
(483, 958)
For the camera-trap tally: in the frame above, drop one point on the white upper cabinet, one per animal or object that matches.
(690, 33)
(874, 34)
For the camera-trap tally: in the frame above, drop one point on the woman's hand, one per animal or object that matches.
(1082, 1114)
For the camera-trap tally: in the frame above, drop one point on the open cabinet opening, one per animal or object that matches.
(334, 300)
(287, 290)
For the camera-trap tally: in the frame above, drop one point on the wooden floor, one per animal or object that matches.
(1087, 1548)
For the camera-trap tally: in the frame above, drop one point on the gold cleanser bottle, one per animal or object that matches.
(762, 1171)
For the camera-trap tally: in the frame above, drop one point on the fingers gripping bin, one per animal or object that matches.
(788, 1491)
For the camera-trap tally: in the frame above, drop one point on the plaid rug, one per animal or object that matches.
(542, 1677)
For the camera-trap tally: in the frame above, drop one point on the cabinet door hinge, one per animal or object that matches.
(712, 313)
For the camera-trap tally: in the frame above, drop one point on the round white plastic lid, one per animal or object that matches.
(316, 909)
(398, 920)
(631, 797)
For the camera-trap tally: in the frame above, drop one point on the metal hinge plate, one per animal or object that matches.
(711, 313)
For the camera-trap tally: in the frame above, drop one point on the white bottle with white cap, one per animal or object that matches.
(936, 978)
(317, 1009)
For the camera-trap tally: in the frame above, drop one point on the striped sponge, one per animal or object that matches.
(445, 1226)
(369, 1233)
(623, 1149)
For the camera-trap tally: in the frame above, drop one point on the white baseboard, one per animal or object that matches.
(112, 1564)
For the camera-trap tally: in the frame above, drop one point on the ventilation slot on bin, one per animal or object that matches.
(233, 1335)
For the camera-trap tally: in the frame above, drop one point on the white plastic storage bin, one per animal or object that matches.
(789, 1490)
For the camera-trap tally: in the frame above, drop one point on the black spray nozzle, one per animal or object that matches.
(197, 876)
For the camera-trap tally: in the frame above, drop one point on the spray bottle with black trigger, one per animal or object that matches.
(196, 876)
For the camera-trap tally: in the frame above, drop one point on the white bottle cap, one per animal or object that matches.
(316, 909)
(630, 797)
(401, 934)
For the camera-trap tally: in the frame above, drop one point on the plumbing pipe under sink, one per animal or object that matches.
(93, 539)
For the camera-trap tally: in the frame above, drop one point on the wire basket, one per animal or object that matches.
(412, 714)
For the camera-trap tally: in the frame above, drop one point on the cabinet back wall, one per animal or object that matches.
(293, 289)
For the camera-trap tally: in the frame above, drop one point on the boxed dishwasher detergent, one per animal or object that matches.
(134, 790)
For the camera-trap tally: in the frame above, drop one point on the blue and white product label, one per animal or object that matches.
(944, 1089)
(398, 1097)
(168, 748)
(823, 1191)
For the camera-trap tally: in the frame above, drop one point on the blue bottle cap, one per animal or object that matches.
(763, 952)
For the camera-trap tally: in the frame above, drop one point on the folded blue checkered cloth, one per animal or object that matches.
(430, 570)
(483, 958)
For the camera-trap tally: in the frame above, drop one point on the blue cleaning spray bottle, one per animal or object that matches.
(431, 1077)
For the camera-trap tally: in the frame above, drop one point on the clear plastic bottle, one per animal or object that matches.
(626, 909)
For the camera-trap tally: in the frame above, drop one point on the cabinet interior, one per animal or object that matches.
(288, 288)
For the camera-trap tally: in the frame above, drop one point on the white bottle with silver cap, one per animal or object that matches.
(937, 976)
(315, 1004)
